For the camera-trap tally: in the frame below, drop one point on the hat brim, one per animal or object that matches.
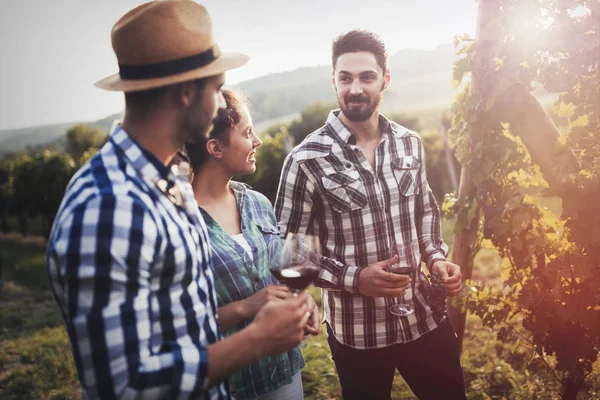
(225, 62)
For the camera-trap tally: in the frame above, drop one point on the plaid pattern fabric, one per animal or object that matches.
(239, 275)
(328, 188)
(128, 260)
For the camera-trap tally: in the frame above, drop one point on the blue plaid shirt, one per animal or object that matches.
(128, 260)
(239, 275)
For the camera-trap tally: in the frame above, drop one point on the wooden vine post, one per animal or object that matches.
(466, 233)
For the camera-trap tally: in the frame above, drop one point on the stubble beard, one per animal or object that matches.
(360, 114)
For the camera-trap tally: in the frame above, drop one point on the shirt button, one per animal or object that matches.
(356, 150)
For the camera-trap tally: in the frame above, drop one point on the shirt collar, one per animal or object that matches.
(239, 191)
(141, 159)
(146, 163)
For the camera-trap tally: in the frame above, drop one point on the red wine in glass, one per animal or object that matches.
(298, 262)
(401, 309)
(296, 277)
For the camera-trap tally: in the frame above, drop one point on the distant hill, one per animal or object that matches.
(17, 139)
(420, 79)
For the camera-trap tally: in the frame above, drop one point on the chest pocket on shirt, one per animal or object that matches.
(405, 171)
(345, 190)
(273, 243)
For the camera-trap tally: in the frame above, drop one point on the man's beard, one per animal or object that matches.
(200, 133)
(362, 113)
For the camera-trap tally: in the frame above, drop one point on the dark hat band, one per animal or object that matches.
(168, 68)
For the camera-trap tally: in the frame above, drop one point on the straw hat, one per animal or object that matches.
(165, 42)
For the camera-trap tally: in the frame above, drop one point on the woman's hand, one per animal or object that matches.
(251, 305)
(314, 321)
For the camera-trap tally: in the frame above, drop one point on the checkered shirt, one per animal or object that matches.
(128, 260)
(239, 275)
(328, 188)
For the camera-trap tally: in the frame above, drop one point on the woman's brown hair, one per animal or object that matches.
(224, 122)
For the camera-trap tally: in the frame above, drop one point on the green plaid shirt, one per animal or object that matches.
(238, 275)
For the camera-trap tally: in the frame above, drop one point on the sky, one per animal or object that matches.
(53, 51)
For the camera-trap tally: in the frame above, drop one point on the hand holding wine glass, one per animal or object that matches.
(280, 325)
(376, 280)
(403, 308)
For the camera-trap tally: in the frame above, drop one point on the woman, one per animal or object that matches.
(245, 242)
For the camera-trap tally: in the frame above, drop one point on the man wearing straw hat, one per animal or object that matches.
(128, 255)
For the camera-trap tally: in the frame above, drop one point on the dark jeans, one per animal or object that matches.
(430, 365)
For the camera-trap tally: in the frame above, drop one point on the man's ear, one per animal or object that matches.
(185, 93)
(333, 80)
(387, 79)
(213, 147)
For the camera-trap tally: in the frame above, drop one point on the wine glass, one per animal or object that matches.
(299, 260)
(404, 308)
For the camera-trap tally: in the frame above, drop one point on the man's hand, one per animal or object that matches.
(376, 281)
(313, 323)
(451, 276)
(251, 305)
(279, 325)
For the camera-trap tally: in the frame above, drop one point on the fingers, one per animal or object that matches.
(281, 294)
(443, 273)
(385, 279)
(387, 263)
(453, 281)
(301, 300)
(314, 311)
(389, 279)
(441, 268)
(454, 287)
(311, 329)
(299, 312)
(304, 319)
(380, 272)
(392, 292)
(312, 326)
(278, 292)
(452, 269)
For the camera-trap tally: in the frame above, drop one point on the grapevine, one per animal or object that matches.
(551, 253)
(435, 295)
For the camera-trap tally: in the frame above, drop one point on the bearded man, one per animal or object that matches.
(359, 183)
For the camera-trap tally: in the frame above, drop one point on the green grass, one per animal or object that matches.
(26, 302)
(38, 366)
(35, 357)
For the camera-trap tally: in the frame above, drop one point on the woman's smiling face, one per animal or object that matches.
(239, 155)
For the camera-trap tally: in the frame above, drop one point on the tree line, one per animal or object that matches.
(33, 181)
